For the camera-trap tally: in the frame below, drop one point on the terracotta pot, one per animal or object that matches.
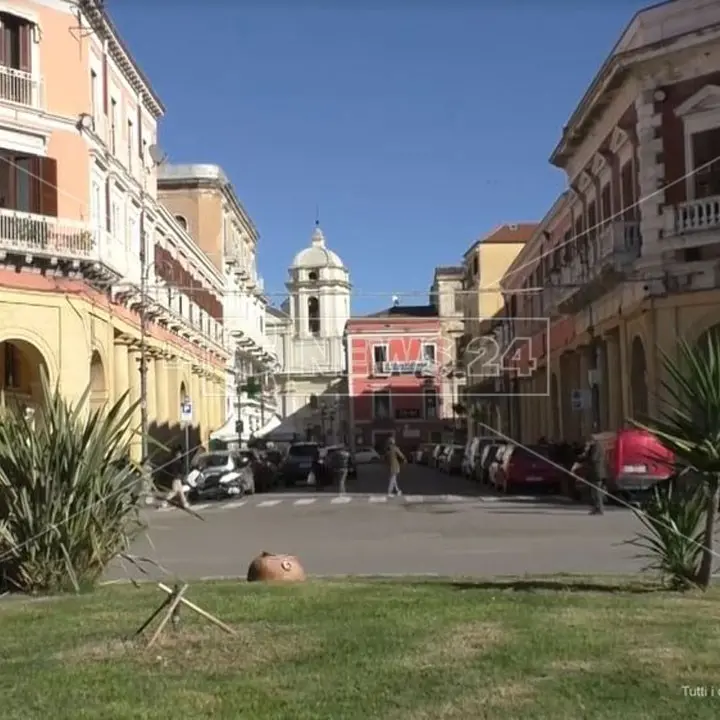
(275, 568)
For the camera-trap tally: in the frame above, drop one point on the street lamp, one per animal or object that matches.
(157, 158)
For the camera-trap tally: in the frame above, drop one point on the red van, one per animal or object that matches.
(636, 460)
(526, 469)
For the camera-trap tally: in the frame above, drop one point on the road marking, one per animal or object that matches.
(377, 498)
(413, 498)
(342, 500)
(269, 503)
(305, 501)
(234, 504)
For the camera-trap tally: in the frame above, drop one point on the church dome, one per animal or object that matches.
(317, 255)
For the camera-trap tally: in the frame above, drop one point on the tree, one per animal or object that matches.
(688, 424)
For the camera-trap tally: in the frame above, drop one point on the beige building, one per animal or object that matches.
(485, 264)
(203, 201)
(627, 260)
(446, 296)
(78, 207)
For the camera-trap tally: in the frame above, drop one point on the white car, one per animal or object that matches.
(365, 455)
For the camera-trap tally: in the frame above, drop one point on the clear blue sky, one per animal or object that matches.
(415, 125)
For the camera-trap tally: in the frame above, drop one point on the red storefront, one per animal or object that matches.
(394, 362)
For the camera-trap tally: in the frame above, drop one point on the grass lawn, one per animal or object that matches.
(412, 650)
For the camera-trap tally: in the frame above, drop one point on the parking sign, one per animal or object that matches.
(186, 411)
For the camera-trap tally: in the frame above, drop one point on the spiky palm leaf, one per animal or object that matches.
(688, 424)
(67, 492)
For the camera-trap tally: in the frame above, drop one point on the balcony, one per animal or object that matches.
(43, 235)
(610, 257)
(20, 87)
(694, 216)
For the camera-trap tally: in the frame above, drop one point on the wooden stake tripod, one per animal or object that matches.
(171, 605)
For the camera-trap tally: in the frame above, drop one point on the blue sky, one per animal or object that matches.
(415, 126)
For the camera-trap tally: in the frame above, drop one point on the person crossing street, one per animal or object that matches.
(591, 462)
(394, 459)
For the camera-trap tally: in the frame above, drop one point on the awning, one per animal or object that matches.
(228, 432)
(283, 430)
(268, 427)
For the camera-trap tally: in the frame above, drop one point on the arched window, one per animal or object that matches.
(314, 315)
(181, 221)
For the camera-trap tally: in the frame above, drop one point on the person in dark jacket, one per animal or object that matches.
(176, 469)
(339, 463)
(592, 462)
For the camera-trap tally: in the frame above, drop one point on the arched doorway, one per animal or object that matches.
(22, 367)
(555, 407)
(638, 380)
(98, 386)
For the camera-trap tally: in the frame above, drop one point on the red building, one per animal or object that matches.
(394, 360)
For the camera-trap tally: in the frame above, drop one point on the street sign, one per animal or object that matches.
(186, 411)
(580, 399)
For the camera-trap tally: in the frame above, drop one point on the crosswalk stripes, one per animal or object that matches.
(264, 501)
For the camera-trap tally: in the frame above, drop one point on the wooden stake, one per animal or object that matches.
(196, 609)
(172, 602)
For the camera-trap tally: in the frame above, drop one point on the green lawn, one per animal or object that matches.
(381, 650)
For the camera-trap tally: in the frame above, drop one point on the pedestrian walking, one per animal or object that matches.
(339, 461)
(591, 462)
(394, 459)
(176, 469)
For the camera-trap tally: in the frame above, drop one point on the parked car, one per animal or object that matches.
(488, 454)
(452, 459)
(527, 468)
(220, 474)
(636, 461)
(427, 454)
(472, 453)
(366, 455)
(301, 459)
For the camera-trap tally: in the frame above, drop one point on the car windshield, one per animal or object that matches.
(212, 460)
(304, 451)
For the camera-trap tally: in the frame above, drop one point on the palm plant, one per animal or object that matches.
(688, 425)
(68, 493)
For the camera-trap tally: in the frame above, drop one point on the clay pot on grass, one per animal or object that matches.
(268, 567)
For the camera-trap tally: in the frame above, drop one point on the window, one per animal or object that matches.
(181, 221)
(94, 96)
(428, 352)
(312, 275)
(130, 143)
(15, 53)
(606, 202)
(113, 125)
(458, 299)
(382, 405)
(96, 209)
(430, 402)
(628, 190)
(314, 315)
(11, 368)
(476, 265)
(28, 183)
(705, 150)
(380, 357)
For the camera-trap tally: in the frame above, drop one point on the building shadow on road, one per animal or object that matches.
(560, 585)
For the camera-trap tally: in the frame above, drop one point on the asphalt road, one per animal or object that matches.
(442, 525)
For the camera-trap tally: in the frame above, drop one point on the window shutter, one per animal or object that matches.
(105, 83)
(48, 187)
(24, 41)
(4, 45)
(108, 209)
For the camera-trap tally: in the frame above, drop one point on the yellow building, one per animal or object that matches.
(627, 260)
(485, 264)
(78, 160)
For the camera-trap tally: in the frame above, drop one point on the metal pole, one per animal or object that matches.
(594, 364)
(187, 448)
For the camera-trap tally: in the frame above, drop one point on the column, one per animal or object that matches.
(151, 390)
(172, 390)
(161, 391)
(624, 372)
(585, 414)
(121, 368)
(613, 381)
(195, 397)
(133, 366)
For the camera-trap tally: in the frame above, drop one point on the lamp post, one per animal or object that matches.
(157, 158)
